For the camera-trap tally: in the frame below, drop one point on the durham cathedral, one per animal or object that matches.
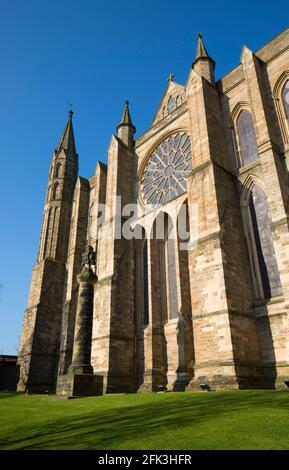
(111, 313)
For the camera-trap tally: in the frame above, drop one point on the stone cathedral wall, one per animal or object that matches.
(219, 329)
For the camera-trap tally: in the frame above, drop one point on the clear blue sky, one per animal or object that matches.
(94, 54)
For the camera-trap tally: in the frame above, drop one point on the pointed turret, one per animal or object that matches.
(203, 64)
(126, 129)
(201, 50)
(42, 325)
(61, 183)
(67, 141)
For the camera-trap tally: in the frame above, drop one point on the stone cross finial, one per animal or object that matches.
(70, 110)
(170, 77)
(88, 257)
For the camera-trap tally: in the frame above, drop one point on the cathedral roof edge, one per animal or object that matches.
(266, 53)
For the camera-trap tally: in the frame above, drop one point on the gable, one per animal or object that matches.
(173, 97)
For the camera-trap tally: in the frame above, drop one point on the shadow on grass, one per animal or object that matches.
(9, 394)
(107, 428)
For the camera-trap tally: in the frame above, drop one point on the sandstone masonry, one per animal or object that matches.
(165, 318)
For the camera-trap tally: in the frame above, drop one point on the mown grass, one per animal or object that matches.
(186, 421)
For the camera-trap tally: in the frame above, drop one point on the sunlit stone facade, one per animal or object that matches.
(209, 306)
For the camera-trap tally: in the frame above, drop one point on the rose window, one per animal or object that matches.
(164, 176)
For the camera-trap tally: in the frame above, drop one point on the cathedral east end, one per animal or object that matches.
(192, 291)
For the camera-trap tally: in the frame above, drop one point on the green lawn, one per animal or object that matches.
(216, 420)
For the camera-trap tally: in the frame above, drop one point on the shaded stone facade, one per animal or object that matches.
(165, 317)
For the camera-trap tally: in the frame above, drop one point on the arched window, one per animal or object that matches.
(55, 191)
(141, 254)
(57, 170)
(49, 233)
(91, 226)
(141, 300)
(164, 254)
(170, 269)
(145, 284)
(246, 137)
(171, 104)
(179, 100)
(257, 224)
(285, 98)
(169, 356)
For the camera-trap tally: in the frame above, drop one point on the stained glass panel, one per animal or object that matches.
(285, 98)
(173, 163)
(171, 104)
(247, 137)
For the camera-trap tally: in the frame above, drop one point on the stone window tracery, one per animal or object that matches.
(257, 224)
(165, 173)
(246, 137)
(285, 98)
(173, 103)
